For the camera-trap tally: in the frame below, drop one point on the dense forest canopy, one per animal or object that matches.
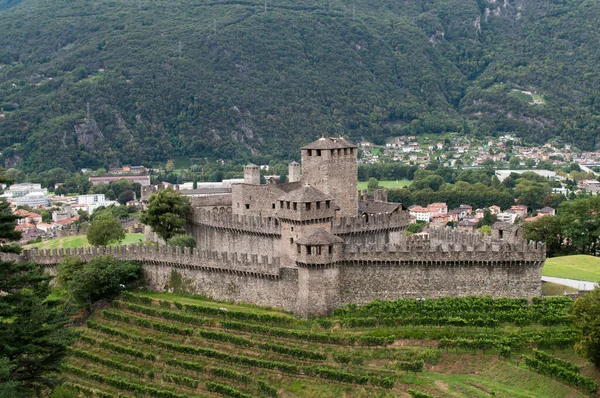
(97, 84)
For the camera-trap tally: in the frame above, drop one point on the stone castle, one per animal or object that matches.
(315, 243)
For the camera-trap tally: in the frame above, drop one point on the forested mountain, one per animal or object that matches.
(97, 83)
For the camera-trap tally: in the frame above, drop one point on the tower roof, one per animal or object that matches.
(319, 237)
(330, 143)
(251, 165)
(295, 163)
(304, 194)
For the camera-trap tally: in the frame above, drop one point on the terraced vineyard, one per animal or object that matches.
(167, 346)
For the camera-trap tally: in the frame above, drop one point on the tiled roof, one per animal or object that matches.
(378, 207)
(212, 200)
(330, 143)
(319, 237)
(305, 194)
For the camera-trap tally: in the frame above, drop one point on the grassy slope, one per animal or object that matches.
(553, 289)
(447, 374)
(79, 241)
(580, 267)
(386, 184)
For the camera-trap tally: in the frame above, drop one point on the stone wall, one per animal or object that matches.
(362, 283)
(278, 290)
(445, 264)
(231, 240)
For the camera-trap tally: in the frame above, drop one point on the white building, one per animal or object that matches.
(507, 216)
(420, 213)
(503, 174)
(94, 201)
(18, 190)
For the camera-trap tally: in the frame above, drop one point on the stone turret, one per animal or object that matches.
(252, 174)
(302, 212)
(319, 248)
(294, 172)
(330, 165)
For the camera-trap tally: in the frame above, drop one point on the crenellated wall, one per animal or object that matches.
(367, 224)
(444, 264)
(240, 223)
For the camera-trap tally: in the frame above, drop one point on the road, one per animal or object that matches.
(581, 285)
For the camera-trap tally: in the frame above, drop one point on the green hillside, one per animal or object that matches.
(229, 79)
(164, 345)
(79, 241)
(581, 267)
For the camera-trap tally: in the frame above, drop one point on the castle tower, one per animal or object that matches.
(302, 212)
(252, 174)
(330, 165)
(294, 172)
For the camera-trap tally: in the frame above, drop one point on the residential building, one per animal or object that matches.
(420, 213)
(94, 201)
(521, 210)
(508, 216)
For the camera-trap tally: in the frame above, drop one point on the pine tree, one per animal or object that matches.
(33, 337)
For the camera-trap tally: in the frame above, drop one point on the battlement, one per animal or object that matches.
(449, 246)
(368, 223)
(242, 223)
(152, 254)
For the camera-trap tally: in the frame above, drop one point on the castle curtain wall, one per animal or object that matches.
(362, 284)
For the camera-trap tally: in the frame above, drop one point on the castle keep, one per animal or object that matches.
(314, 243)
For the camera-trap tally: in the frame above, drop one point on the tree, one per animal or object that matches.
(166, 213)
(580, 222)
(126, 196)
(485, 230)
(105, 229)
(586, 321)
(101, 278)
(182, 241)
(33, 343)
(170, 166)
(547, 229)
(372, 184)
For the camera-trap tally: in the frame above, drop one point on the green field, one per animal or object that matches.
(79, 241)
(389, 184)
(166, 345)
(579, 267)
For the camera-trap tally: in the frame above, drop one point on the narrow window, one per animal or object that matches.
(318, 152)
(308, 206)
(310, 152)
(273, 205)
(318, 250)
(318, 205)
(299, 250)
(281, 204)
(328, 204)
(330, 249)
(295, 206)
(292, 228)
(287, 204)
(291, 241)
(308, 250)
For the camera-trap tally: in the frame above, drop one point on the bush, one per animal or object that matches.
(101, 278)
(182, 241)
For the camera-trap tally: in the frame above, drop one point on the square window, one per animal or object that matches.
(247, 206)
